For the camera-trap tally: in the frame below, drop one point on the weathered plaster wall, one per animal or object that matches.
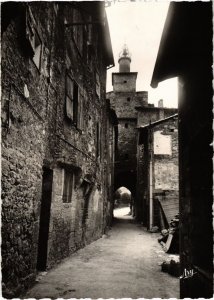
(165, 170)
(166, 156)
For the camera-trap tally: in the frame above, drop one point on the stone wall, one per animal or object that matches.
(166, 158)
(142, 183)
(125, 103)
(38, 134)
(23, 150)
(165, 170)
(152, 114)
(124, 82)
(164, 155)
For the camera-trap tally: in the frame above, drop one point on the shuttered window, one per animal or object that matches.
(71, 99)
(68, 186)
(34, 39)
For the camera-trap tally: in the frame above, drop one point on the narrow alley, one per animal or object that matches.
(123, 264)
(107, 149)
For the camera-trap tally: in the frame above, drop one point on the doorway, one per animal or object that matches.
(44, 218)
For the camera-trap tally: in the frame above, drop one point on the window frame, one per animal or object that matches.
(98, 86)
(34, 38)
(68, 186)
(78, 30)
(73, 98)
(76, 102)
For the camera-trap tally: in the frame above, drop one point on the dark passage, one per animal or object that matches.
(44, 219)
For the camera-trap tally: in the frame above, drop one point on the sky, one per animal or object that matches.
(139, 25)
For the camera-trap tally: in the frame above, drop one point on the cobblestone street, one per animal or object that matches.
(122, 264)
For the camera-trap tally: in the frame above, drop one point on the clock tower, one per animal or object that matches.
(124, 80)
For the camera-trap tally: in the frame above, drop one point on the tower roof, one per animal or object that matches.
(125, 53)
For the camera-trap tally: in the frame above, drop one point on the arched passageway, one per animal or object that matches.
(125, 182)
(123, 204)
(126, 179)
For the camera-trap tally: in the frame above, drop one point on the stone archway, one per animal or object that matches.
(126, 179)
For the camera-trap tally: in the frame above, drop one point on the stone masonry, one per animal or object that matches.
(133, 110)
(124, 98)
(157, 168)
(54, 135)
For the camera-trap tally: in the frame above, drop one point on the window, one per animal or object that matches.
(74, 100)
(56, 8)
(125, 81)
(80, 119)
(89, 32)
(71, 98)
(68, 186)
(126, 125)
(37, 50)
(34, 39)
(128, 99)
(97, 84)
(90, 50)
(78, 30)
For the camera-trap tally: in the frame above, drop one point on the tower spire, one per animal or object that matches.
(124, 59)
(125, 52)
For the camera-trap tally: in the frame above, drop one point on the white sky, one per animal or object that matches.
(140, 25)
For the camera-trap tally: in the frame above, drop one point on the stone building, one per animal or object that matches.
(157, 180)
(58, 134)
(186, 52)
(124, 98)
(111, 146)
(133, 110)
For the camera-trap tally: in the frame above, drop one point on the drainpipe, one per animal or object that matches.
(150, 196)
(150, 179)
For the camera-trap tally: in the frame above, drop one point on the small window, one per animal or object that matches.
(78, 30)
(126, 125)
(125, 81)
(90, 32)
(68, 186)
(80, 119)
(90, 51)
(71, 97)
(128, 99)
(97, 84)
(34, 39)
(37, 51)
(56, 8)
